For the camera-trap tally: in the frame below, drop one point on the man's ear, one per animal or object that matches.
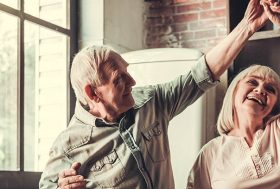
(91, 93)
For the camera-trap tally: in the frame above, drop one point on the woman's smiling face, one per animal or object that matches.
(255, 95)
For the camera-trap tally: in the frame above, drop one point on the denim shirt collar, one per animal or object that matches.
(82, 113)
(141, 96)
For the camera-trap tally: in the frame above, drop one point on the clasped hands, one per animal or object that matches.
(272, 10)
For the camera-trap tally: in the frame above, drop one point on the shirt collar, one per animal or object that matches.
(82, 113)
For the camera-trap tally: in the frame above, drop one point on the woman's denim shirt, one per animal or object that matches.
(133, 153)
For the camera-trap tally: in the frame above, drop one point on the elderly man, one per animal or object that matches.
(118, 137)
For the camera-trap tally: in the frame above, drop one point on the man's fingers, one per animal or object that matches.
(270, 8)
(77, 185)
(267, 10)
(272, 14)
(271, 2)
(71, 181)
(76, 166)
(70, 172)
(67, 173)
(275, 8)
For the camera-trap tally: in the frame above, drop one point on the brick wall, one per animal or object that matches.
(185, 23)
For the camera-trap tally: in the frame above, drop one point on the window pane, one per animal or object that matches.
(45, 92)
(8, 92)
(11, 3)
(54, 11)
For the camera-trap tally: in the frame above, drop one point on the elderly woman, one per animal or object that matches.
(247, 154)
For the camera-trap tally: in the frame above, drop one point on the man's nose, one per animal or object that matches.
(130, 80)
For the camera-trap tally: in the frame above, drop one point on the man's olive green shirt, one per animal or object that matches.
(133, 153)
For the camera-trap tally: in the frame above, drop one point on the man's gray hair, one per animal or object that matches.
(85, 69)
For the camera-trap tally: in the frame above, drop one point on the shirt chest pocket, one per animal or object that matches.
(156, 142)
(108, 171)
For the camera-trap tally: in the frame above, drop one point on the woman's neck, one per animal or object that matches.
(246, 128)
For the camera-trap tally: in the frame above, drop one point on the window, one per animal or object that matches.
(37, 43)
(8, 96)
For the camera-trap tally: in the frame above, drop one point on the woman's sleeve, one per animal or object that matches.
(199, 177)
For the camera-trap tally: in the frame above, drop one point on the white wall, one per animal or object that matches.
(116, 23)
(91, 23)
(123, 24)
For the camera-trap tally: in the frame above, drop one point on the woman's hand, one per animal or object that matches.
(272, 10)
(68, 179)
(255, 16)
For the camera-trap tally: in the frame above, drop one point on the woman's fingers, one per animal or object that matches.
(274, 16)
(275, 8)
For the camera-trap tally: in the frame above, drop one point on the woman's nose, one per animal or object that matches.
(260, 90)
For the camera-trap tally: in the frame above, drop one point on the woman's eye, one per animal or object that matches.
(270, 89)
(252, 82)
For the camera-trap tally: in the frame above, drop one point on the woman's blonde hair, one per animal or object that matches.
(225, 121)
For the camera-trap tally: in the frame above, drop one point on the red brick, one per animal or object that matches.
(186, 36)
(185, 23)
(214, 41)
(204, 45)
(185, 17)
(164, 41)
(152, 38)
(186, 1)
(205, 34)
(159, 3)
(194, 7)
(151, 21)
(155, 45)
(206, 24)
(222, 32)
(213, 14)
(161, 30)
(169, 39)
(219, 4)
(164, 11)
(181, 1)
(195, 44)
(179, 27)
